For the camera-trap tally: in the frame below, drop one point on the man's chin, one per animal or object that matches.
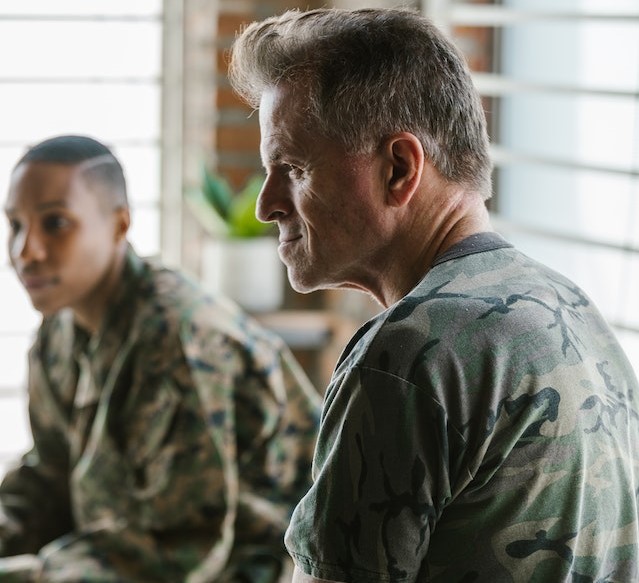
(45, 308)
(301, 282)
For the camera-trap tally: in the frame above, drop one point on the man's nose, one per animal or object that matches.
(28, 246)
(273, 201)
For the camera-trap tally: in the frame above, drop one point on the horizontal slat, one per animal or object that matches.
(506, 225)
(81, 17)
(153, 80)
(484, 15)
(494, 85)
(623, 327)
(120, 143)
(502, 156)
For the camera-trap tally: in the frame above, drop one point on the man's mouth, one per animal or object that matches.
(288, 238)
(35, 283)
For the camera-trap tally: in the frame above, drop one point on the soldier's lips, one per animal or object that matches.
(38, 283)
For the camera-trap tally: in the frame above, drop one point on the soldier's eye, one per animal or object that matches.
(14, 226)
(55, 223)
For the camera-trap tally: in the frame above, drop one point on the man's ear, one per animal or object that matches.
(122, 223)
(405, 156)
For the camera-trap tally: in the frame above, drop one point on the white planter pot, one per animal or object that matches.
(248, 271)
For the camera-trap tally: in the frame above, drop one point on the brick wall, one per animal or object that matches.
(478, 43)
(237, 132)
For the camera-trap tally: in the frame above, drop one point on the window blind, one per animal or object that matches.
(560, 82)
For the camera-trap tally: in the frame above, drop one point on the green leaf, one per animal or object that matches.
(242, 219)
(218, 192)
(208, 217)
(223, 214)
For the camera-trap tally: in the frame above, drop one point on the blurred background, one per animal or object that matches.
(560, 82)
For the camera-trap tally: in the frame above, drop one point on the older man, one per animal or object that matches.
(172, 435)
(485, 426)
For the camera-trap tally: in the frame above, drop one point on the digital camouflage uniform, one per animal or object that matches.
(170, 447)
(483, 429)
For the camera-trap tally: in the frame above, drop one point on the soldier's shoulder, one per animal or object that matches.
(173, 303)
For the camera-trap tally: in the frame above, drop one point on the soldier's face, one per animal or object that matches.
(326, 201)
(62, 240)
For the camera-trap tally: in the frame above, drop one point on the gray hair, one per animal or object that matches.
(370, 73)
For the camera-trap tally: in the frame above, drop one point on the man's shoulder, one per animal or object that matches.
(492, 303)
(173, 303)
(164, 297)
(493, 283)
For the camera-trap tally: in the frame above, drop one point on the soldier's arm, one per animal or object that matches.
(165, 484)
(34, 496)
(278, 413)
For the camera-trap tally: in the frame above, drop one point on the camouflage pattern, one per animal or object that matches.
(171, 447)
(485, 428)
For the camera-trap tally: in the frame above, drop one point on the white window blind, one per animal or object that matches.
(562, 95)
(73, 66)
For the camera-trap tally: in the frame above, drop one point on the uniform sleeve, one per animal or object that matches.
(34, 496)
(155, 491)
(277, 421)
(200, 447)
(276, 414)
(155, 488)
(380, 482)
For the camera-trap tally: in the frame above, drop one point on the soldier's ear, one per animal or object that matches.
(405, 158)
(122, 223)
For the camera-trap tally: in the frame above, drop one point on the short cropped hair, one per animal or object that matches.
(367, 74)
(97, 163)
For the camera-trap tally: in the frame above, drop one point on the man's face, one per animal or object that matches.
(326, 202)
(62, 240)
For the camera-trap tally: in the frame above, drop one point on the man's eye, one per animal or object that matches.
(294, 171)
(14, 226)
(55, 223)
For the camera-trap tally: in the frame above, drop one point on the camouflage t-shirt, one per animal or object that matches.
(483, 429)
(172, 446)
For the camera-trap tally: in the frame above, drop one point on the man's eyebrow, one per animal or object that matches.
(44, 206)
(274, 156)
(52, 204)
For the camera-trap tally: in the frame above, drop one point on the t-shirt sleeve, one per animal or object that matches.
(380, 481)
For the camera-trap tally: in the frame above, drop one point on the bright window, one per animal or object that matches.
(73, 66)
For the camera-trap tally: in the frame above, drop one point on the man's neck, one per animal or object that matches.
(90, 313)
(428, 235)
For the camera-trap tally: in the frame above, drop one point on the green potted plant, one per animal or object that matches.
(225, 213)
(239, 259)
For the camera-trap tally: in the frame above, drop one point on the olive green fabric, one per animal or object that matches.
(170, 447)
(483, 429)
